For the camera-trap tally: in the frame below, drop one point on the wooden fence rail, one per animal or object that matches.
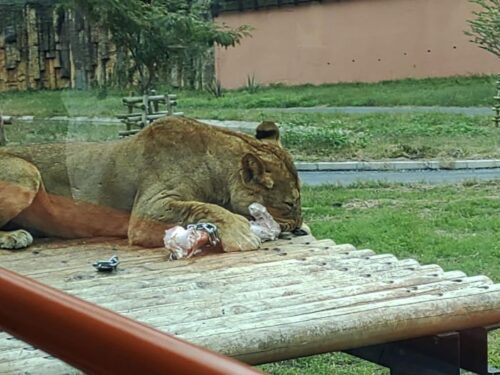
(149, 110)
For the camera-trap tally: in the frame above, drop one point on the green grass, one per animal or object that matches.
(311, 137)
(47, 103)
(455, 226)
(321, 136)
(452, 91)
(59, 131)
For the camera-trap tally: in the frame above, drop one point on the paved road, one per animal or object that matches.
(400, 109)
(429, 177)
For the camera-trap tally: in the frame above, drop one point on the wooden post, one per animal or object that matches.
(130, 111)
(171, 101)
(145, 103)
(3, 140)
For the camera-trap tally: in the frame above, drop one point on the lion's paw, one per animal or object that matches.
(18, 239)
(237, 236)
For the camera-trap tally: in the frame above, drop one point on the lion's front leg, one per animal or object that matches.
(149, 221)
(16, 239)
(234, 230)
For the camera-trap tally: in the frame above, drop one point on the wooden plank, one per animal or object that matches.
(68, 250)
(205, 287)
(139, 99)
(281, 296)
(269, 297)
(290, 298)
(143, 116)
(339, 304)
(198, 315)
(308, 334)
(249, 280)
(43, 364)
(138, 114)
(46, 259)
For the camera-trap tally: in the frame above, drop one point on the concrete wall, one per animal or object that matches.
(353, 40)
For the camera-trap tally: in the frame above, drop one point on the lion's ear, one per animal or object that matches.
(253, 172)
(268, 131)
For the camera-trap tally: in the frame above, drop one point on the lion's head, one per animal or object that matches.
(258, 169)
(268, 176)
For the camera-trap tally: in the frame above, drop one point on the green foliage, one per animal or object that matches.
(102, 92)
(485, 28)
(309, 136)
(156, 33)
(252, 85)
(322, 140)
(451, 91)
(375, 136)
(214, 87)
(455, 226)
(60, 131)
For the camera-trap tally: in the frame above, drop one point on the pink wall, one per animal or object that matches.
(354, 40)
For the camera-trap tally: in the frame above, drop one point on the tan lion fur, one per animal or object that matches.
(175, 171)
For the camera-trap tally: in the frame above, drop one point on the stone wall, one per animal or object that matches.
(43, 46)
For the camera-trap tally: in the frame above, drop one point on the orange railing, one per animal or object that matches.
(96, 340)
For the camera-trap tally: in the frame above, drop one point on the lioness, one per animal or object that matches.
(176, 171)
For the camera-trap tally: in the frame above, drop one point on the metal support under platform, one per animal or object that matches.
(443, 354)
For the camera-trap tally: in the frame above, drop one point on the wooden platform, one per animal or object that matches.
(292, 298)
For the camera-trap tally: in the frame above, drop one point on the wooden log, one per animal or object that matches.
(44, 364)
(355, 326)
(290, 298)
(155, 304)
(137, 115)
(139, 99)
(155, 260)
(52, 251)
(355, 319)
(295, 297)
(248, 317)
(211, 310)
(198, 286)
